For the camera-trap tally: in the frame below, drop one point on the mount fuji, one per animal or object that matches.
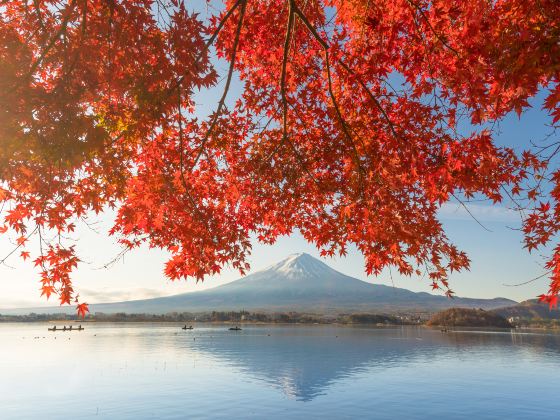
(298, 283)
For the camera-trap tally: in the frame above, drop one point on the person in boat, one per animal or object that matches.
(64, 328)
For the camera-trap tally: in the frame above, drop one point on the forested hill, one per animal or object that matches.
(529, 309)
(463, 317)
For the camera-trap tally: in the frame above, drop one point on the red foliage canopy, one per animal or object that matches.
(346, 127)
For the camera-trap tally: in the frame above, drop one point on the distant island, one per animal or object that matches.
(465, 317)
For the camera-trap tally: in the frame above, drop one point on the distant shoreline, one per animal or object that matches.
(229, 317)
(249, 318)
(245, 324)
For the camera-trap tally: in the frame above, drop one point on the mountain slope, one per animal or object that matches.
(300, 283)
(529, 309)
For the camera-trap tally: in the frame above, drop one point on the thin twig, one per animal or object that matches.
(438, 36)
(528, 281)
(226, 88)
(341, 119)
(372, 97)
(181, 163)
(210, 41)
(469, 212)
(284, 67)
(3, 260)
(54, 39)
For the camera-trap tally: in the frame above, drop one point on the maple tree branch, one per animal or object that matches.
(470, 213)
(437, 35)
(41, 253)
(519, 208)
(262, 128)
(298, 156)
(19, 245)
(179, 116)
(529, 281)
(226, 88)
(546, 161)
(224, 20)
(284, 100)
(284, 67)
(382, 110)
(372, 97)
(277, 147)
(162, 6)
(54, 39)
(211, 40)
(181, 163)
(115, 259)
(39, 17)
(67, 72)
(343, 122)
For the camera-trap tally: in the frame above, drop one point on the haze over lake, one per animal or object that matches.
(136, 371)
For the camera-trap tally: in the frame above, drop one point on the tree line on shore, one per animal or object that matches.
(454, 317)
(227, 316)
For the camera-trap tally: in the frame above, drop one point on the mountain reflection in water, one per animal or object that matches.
(303, 361)
(136, 371)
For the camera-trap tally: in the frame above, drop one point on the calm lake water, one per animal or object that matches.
(134, 371)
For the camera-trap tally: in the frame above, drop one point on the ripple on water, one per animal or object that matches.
(134, 371)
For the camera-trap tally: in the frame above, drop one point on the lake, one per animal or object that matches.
(134, 371)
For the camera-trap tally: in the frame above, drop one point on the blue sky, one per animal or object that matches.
(497, 257)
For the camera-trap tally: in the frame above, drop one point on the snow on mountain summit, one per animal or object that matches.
(301, 265)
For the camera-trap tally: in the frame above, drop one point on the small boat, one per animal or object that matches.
(236, 328)
(190, 327)
(64, 328)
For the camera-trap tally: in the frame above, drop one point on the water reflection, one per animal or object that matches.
(131, 371)
(304, 362)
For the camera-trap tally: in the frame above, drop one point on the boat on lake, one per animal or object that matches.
(64, 328)
(236, 328)
(190, 327)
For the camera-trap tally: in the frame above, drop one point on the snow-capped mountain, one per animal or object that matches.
(299, 283)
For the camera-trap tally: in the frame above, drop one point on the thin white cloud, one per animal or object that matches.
(106, 295)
